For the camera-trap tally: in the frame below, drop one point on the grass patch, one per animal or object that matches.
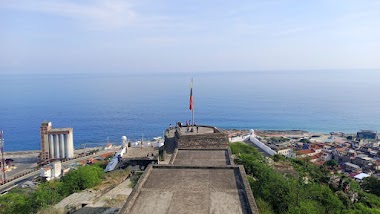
(135, 178)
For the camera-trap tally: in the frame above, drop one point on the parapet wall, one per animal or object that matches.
(170, 144)
(202, 141)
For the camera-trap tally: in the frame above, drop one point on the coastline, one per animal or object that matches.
(273, 132)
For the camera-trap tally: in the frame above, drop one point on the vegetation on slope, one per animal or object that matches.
(309, 192)
(50, 193)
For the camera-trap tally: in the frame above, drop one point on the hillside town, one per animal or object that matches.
(355, 155)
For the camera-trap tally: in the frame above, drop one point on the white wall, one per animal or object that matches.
(262, 146)
(238, 138)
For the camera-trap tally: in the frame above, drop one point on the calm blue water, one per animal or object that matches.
(101, 106)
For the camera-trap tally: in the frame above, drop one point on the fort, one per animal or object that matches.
(200, 177)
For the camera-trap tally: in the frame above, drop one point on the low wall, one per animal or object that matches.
(262, 146)
(25, 160)
(23, 152)
(170, 144)
(136, 190)
(238, 138)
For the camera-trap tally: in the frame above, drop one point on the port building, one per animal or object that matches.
(56, 143)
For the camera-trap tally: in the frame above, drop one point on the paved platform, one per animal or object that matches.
(191, 190)
(196, 130)
(196, 157)
(187, 131)
(140, 152)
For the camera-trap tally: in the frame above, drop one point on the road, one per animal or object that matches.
(30, 176)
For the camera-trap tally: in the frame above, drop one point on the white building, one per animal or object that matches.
(46, 172)
(52, 170)
(361, 176)
(56, 143)
(287, 152)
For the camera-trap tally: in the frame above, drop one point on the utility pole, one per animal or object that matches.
(84, 147)
(2, 155)
(142, 140)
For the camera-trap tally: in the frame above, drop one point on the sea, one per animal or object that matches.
(104, 107)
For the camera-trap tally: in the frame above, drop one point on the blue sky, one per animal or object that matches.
(42, 36)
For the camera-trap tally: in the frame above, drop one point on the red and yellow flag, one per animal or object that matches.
(191, 95)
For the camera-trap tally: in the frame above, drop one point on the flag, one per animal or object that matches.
(191, 95)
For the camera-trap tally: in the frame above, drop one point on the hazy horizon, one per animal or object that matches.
(191, 73)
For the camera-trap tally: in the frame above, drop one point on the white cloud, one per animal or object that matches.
(99, 13)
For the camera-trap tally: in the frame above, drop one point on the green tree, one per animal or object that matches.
(343, 197)
(242, 148)
(305, 207)
(264, 207)
(332, 163)
(371, 185)
(82, 178)
(323, 195)
(369, 199)
(278, 139)
(48, 193)
(15, 203)
(278, 157)
(278, 193)
(360, 208)
(304, 140)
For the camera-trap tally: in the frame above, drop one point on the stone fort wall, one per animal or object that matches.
(202, 141)
(215, 140)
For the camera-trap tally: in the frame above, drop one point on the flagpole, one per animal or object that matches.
(192, 109)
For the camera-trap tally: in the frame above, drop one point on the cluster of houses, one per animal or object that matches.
(357, 155)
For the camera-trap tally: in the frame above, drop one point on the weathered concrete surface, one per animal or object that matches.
(97, 210)
(191, 190)
(123, 190)
(202, 158)
(183, 130)
(76, 199)
(200, 130)
(140, 152)
(200, 178)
